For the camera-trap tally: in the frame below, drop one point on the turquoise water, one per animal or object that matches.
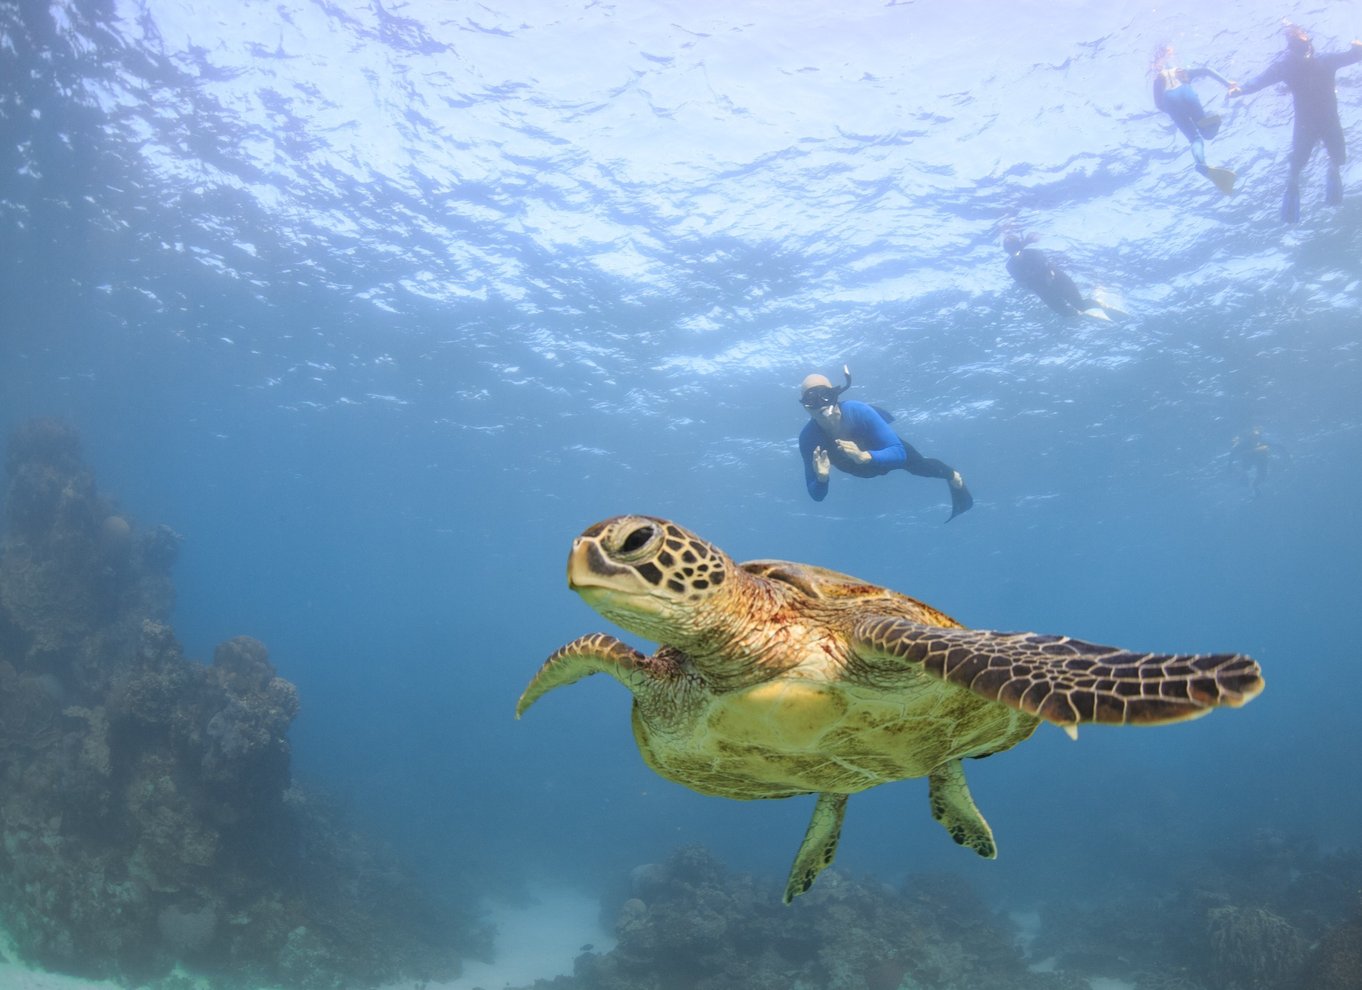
(380, 306)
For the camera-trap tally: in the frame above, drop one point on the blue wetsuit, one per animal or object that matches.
(868, 428)
(1310, 78)
(1174, 95)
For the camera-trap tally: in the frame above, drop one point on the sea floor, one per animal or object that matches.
(534, 941)
(15, 977)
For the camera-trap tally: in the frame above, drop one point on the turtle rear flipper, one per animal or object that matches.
(819, 847)
(1062, 680)
(954, 808)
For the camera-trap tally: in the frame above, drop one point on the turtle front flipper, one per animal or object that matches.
(586, 655)
(819, 846)
(1062, 680)
(953, 807)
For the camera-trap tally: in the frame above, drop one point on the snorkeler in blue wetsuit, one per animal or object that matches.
(1174, 95)
(1310, 77)
(855, 437)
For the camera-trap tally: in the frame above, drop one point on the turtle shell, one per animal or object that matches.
(823, 583)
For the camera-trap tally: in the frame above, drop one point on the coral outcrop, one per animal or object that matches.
(146, 813)
(689, 924)
(1242, 915)
(1253, 948)
(1335, 963)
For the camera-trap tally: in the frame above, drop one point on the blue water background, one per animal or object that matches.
(380, 304)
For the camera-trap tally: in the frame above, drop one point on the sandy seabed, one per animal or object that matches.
(533, 942)
(537, 941)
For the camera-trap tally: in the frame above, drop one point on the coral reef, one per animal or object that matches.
(688, 924)
(1239, 916)
(1335, 963)
(146, 813)
(1163, 979)
(1253, 949)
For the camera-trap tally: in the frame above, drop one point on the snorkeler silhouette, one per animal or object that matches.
(1174, 95)
(855, 437)
(1032, 268)
(1310, 77)
(1251, 452)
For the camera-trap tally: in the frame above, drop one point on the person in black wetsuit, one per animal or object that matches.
(855, 437)
(1310, 77)
(1174, 95)
(1032, 268)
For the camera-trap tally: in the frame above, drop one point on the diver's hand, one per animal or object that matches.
(821, 464)
(1234, 90)
(849, 448)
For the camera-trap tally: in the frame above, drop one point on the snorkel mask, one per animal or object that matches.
(824, 394)
(1298, 41)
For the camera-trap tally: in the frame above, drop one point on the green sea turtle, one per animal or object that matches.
(775, 679)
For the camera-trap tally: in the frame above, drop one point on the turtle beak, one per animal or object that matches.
(588, 567)
(615, 590)
(578, 567)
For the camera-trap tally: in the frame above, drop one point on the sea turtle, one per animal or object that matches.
(775, 679)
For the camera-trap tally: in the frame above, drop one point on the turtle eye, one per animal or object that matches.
(638, 540)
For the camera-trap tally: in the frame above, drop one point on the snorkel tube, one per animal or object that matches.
(836, 390)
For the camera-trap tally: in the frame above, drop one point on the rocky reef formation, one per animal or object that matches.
(146, 812)
(1253, 948)
(1265, 912)
(1335, 962)
(689, 924)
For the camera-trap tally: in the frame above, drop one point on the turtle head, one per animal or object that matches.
(648, 575)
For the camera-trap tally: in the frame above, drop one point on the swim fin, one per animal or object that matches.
(961, 499)
(1333, 188)
(1222, 177)
(1109, 301)
(1097, 313)
(1291, 204)
(1209, 125)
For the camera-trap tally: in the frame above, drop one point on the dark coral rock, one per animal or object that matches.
(1240, 915)
(159, 548)
(144, 809)
(1253, 948)
(74, 585)
(243, 665)
(688, 924)
(1336, 962)
(30, 708)
(48, 477)
(245, 746)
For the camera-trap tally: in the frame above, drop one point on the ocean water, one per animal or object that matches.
(380, 304)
